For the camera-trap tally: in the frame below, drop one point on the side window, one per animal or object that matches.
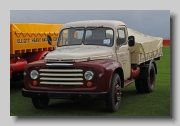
(121, 36)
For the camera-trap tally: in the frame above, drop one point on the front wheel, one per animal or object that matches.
(114, 95)
(40, 103)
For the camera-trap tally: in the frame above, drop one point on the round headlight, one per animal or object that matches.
(88, 75)
(34, 74)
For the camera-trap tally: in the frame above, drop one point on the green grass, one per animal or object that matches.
(133, 104)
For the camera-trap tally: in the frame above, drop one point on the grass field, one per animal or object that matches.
(133, 104)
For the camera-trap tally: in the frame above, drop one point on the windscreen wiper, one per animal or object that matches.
(93, 28)
(77, 28)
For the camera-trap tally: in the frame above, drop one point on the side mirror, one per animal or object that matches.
(131, 41)
(49, 39)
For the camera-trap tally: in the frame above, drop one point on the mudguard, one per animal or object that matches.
(31, 57)
(145, 68)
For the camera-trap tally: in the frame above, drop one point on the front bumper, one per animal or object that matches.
(64, 95)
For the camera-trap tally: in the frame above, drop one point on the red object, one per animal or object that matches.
(166, 42)
(34, 82)
(17, 65)
(89, 84)
(135, 72)
(31, 57)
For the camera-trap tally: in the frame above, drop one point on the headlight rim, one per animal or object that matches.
(37, 74)
(91, 77)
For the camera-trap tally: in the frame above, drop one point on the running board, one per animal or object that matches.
(127, 82)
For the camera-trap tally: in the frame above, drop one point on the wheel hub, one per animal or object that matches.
(117, 94)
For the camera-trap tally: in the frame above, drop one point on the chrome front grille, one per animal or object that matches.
(61, 76)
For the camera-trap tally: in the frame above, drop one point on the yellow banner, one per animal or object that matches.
(32, 37)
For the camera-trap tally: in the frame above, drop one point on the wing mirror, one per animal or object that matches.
(131, 41)
(49, 39)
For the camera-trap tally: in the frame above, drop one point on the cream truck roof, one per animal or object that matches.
(105, 23)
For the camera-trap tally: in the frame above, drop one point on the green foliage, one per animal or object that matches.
(133, 104)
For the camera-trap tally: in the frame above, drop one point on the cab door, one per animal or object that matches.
(122, 51)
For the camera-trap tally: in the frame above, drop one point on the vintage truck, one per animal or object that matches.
(94, 60)
(28, 43)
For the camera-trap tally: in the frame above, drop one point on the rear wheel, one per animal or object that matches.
(40, 102)
(114, 95)
(139, 85)
(147, 85)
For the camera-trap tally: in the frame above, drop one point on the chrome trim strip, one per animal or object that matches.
(63, 83)
(58, 64)
(61, 79)
(53, 74)
(61, 70)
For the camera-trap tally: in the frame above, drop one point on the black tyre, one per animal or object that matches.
(150, 82)
(147, 85)
(114, 95)
(40, 103)
(139, 85)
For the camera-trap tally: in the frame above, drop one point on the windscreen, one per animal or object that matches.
(93, 36)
